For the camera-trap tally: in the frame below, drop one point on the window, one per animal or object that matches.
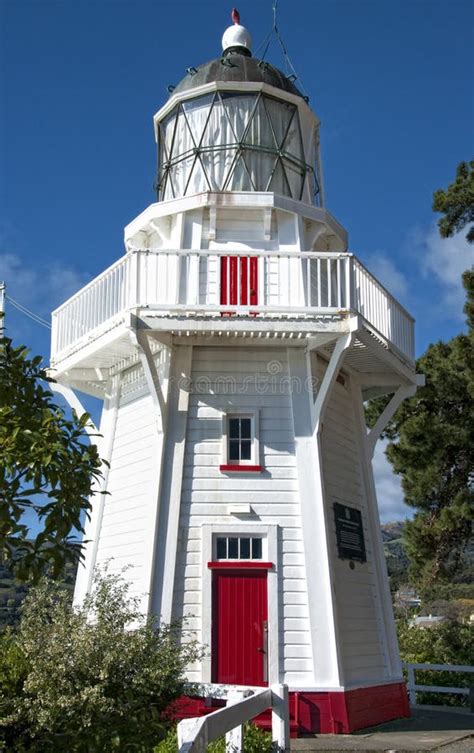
(240, 443)
(240, 440)
(239, 548)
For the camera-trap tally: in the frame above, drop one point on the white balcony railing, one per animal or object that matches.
(264, 283)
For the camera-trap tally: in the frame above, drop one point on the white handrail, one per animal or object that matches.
(243, 704)
(188, 281)
(414, 688)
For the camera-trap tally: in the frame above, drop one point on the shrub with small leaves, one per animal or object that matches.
(96, 678)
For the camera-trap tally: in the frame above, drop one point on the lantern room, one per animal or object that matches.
(238, 124)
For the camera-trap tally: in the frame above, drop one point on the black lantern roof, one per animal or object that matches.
(235, 66)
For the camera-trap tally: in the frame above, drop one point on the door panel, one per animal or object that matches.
(239, 634)
(239, 280)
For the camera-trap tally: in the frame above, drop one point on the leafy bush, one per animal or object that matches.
(48, 467)
(255, 741)
(449, 642)
(81, 680)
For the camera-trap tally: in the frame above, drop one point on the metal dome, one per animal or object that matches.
(233, 67)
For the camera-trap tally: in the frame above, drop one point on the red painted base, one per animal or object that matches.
(324, 712)
(349, 711)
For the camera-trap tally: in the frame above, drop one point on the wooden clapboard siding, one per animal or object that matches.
(131, 485)
(241, 378)
(356, 591)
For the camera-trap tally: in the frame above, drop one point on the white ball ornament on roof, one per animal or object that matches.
(236, 35)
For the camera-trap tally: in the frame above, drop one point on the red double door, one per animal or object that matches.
(240, 627)
(239, 280)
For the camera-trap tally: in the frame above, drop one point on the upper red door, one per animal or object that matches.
(239, 280)
(240, 627)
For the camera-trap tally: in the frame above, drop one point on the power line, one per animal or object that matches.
(274, 31)
(35, 317)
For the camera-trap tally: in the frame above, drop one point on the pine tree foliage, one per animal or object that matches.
(47, 468)
(431, 446)
(456, 203)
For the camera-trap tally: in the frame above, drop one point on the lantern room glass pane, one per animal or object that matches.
(281, 115)
(197, 115)
(238, 109)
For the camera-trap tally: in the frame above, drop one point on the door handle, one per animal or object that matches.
(264, 651)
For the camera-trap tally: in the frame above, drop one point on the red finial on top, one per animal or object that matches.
(235, 15)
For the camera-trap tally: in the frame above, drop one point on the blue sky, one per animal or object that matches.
(80, 82)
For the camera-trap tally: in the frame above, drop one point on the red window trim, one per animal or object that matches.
(240, 565)
(240, 468)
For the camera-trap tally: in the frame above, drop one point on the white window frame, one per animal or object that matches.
(254, 434)
(269, 534)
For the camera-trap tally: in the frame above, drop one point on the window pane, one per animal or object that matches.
(245, 450)
(245, 428)
(221, 549)
(256, 549)
(244, 549)
(233, 549)
(233, 428)
(234, 449)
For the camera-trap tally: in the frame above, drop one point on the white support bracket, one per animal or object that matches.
(342, 345)
(73, 401)
(403, 392)
(140, 339)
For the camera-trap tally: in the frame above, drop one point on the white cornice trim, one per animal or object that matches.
(238, 86)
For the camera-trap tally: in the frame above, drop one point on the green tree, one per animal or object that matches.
(456, 203)
(431, 446)
(47, 467)
(431, 442)
(449, 642)
(96, 678)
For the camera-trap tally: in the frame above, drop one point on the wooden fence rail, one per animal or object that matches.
(243, 704)
(414, 688)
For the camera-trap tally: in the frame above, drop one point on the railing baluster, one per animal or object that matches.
(328, 265)
(308, 279)
(319, 282)
(338, 281)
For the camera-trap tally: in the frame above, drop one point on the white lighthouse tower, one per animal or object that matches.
(233, 346)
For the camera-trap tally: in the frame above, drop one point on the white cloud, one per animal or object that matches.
(383, 268)
(389, 490)
(445, 259)
(40, 288)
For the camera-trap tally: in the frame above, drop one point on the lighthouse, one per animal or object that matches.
(233, 345)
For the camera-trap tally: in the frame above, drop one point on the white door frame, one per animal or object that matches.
(270, 533)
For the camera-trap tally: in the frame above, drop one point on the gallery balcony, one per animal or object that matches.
(208, 292)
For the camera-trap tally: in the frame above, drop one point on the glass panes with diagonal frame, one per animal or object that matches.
(233, 141)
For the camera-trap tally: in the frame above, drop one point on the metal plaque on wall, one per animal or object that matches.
(349, 533)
